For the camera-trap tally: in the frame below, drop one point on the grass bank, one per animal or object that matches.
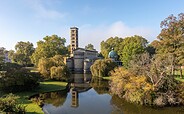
(107, 78)
(47, 86)
(179, 79)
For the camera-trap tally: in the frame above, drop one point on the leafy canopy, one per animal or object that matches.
(130, 47)
(22, 53)
(106, 46)
(49, 47)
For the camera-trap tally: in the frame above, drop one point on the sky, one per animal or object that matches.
(97, 20)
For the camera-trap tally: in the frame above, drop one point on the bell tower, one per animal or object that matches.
(74, 39)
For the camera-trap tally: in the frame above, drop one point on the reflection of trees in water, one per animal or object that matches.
(54, 98)
(120, 106)
(100, 85)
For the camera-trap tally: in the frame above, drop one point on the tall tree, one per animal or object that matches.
(54, 68)
(2, 49)
(130, 47)
(171, 39)
(106, 46)
(23, 51)
(89, 47)
(49, 47)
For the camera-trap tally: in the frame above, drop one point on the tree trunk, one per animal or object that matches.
(172, 70)
(181, 72)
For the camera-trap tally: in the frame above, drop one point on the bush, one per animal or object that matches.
(102, 67)
(133, 88)
(147, 81)
(9, 103)
(19, 79)
(60, 73)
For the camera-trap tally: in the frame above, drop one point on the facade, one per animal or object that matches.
(80, 59)
(4, 54)
(6, 59)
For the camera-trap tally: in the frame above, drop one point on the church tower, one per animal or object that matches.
(74, 39)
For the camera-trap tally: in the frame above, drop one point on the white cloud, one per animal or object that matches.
(95, 35)
(43, 11)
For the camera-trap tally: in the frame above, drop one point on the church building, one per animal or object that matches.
(80, 59)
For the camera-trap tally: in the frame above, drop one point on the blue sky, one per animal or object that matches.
(97, 20)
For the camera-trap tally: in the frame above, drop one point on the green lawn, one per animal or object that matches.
(47, 86)
(32, 69)
(179, 79)
(107, 78)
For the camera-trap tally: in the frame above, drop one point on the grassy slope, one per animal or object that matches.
(32, 108)
(107, 78)
(179, 79)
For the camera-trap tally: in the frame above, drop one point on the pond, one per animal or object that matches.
(88, 95)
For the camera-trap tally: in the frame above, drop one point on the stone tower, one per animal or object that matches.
(74, 39)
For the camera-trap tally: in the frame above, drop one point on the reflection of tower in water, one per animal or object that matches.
(75, 100)
(80, 83)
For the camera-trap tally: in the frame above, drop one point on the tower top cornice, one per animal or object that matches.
(74, 28)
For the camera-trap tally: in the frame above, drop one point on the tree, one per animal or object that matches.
(2, 56)
(131, 87)
(106, 46)
(171, 39)
(130, 47)
(89, 47)
(54, 68)
(156, 70)
(102, 67)
(17, 78)
(22, 54)
(49, 47)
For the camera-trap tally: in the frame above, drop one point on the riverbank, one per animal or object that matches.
(47, 86)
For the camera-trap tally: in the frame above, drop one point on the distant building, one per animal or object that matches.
(6, 59)
(4, 54)
(114, 57)
(80, 59)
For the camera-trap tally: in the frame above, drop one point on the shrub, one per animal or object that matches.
(19, 79)
(102, 67)
(9, 103)
(133, 88)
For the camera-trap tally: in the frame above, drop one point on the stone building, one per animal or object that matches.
(80, 59)
(4, 55)
(73, 39)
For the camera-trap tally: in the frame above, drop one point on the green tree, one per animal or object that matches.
(89, 47)
(49, 47)
(106, 46)
(54, 68)
(22, 54)
(130, 47)
(171, 39)
(102, 67)
(2, 49)
(17, 78)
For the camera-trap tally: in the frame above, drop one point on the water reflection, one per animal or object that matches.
(75, 98)
(88, 95)
(55, 98)
(122, 107)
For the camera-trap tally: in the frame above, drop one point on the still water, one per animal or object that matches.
(88, 95)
